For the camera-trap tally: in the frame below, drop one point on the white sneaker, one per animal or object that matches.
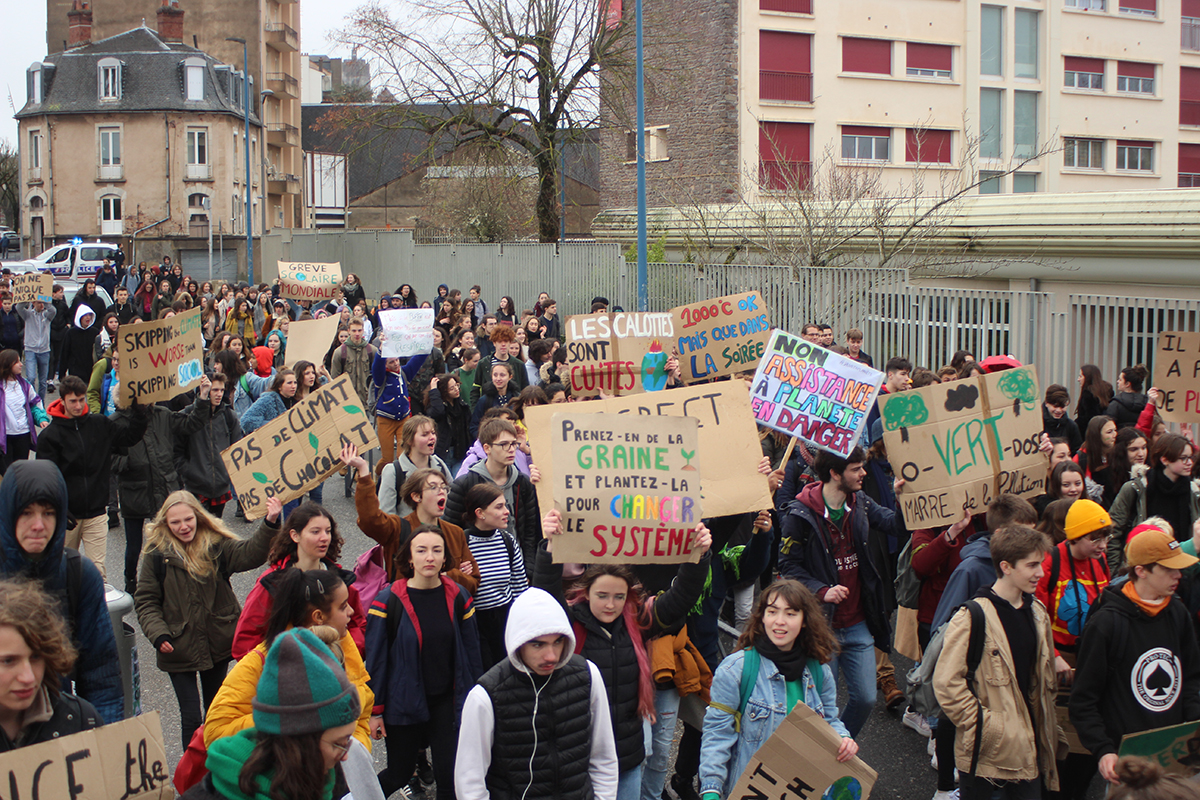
(933, 762)
(917, 722)
(931, 748)
(950, 795)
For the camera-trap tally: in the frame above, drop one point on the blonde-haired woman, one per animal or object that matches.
(184, 602)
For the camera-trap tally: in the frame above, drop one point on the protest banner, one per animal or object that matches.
(806, 391)
(618, 354)
(309, 340)
(626, 486)
(957, 445)
(729, 448)
(160, 360)
(407, 332)
(800, 760)
(721, 336)
(298, 450)
(1177, 376)
(120, 761)
(1175, 748)
(30, 286)
(307, 280)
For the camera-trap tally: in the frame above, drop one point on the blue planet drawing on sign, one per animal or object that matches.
(846, 788)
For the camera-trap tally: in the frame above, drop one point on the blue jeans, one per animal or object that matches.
(857, 662)
(37, 370)
(662, 734)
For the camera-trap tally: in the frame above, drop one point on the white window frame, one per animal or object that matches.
(35, 153)
(1093, 147)
(656, 144)
(919, 72)
(1086, 5)
(112, 221)
(193, 79)
(1142, 158)
(35, 84)
(1086, 81)
(867, 148)
(108, 79)
(196, 152)
(1128, 83)
(110, 165)
(1138, 12)
(1035, 45)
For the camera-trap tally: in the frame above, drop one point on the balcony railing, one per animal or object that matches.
(1189, 112)
(197, 172)
(281, 37)
(787, 6)
(1189, 180)
(785, 86)
(784, 176)
(282, 183)
(280, 133)
(110, 172)
(1191, 34)
(284, 84)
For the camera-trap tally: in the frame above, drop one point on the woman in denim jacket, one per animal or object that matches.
(792, 643)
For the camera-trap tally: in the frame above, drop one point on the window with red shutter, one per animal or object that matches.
(1083, 73)
(929, 60)
(863, 143)
(1189, 96)
(927, 146)
(866, 55)
(1135, 76)
(787, 6)
(785, 66)
(1189, 166)
(784, 162)
(1146, 8)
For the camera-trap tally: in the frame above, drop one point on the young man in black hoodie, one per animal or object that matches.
(122, 307)
(1139, 664)
(1056, 423)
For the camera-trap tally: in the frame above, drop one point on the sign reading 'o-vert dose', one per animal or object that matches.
(628, 488)
(299, 449)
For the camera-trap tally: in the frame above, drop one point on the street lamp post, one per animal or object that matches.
(248, 211)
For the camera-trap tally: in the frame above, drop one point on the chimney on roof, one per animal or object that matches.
(170, 21)
(79, 24)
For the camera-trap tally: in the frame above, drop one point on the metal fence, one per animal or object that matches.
(925, 323)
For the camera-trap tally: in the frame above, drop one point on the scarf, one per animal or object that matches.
(1171, 500)
(790, 663)
(225, 760)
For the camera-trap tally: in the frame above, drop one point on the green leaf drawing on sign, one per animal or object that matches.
(905, 411)
(688, 455)
(1018, 385)
(312, 440)
(353, 409)
(258, 476)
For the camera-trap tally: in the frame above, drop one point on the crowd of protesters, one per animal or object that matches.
(485, 668)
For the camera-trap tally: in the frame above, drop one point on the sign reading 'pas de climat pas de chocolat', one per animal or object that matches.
(627, 486)
(299, 449)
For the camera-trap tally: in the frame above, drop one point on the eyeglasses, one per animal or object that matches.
(1099, 537)
(506, 445)
(342, 747)
(440, 488)
(1187, 458)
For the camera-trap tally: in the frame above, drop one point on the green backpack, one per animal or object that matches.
(750, 665)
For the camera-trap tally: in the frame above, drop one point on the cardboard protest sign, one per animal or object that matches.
(306, 280)
(618, 354)
(30, 286)
(309, 340)
(806, 391)
(1177, 376)
(298, 450)
(729, 450)
(407, 332)
(1175, 748)
(800, 760)
(122, 760)
(959, 444)
(721, 336)
(160, 360)
(627, 487)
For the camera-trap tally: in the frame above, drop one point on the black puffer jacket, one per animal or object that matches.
(146, 471)
(610, 647)
(71, 715)
(1062, 428)
(453, 421)
(198, 457)
(563, 733)
(1125, 408)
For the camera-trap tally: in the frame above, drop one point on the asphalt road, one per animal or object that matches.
(893, 750)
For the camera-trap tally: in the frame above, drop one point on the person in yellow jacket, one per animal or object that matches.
(302, 599)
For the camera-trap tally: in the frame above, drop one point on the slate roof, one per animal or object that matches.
(380, 158)
(152, 79)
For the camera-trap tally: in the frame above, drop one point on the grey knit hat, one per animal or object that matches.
(303, 689)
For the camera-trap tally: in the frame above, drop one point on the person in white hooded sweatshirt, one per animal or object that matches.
(536, 726)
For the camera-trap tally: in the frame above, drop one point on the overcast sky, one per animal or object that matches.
(25, 43)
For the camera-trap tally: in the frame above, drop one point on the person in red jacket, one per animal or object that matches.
(934, 557)
(308, 539)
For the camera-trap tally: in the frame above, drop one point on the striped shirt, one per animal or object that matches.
(501, 568)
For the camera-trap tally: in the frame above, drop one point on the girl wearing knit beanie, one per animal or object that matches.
(304, 716)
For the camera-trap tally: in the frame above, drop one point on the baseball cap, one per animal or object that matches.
(1154, 546)
(1084, 517)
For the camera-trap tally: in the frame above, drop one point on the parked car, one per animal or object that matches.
(68, 261)
(13, 238)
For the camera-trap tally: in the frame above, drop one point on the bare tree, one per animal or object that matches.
(524, 73)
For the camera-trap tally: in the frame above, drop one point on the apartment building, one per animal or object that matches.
(270, 28)
(745, 96)
(137, 139)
